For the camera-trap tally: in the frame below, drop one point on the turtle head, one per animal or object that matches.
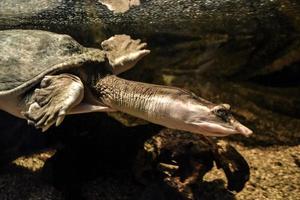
(215, 120)
(168, 106)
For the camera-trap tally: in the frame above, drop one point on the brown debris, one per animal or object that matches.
(182, 160)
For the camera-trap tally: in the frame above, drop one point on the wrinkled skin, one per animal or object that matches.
(168, 106)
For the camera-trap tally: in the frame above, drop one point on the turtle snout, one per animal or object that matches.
(243, 129)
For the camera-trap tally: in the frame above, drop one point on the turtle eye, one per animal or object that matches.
(223, 114)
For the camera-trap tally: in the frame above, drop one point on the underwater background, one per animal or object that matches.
(246, 54)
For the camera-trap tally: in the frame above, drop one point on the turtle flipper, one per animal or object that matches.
(123, 52)
(50, 103)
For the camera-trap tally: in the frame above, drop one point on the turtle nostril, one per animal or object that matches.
(226, 106)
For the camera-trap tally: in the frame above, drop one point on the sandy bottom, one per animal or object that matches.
(275, 174)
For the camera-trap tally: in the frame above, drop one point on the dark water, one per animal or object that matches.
(243, 53)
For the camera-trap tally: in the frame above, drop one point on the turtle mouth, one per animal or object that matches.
(220, 130)
(213, 129)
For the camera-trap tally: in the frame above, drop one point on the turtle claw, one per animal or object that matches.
(50, 103)
(59, 120)
(142, 46)
(45, 128)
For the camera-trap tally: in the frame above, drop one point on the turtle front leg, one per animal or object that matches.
(56, 97)
(123, 52)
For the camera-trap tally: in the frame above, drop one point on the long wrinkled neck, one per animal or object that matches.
(158, 104)
(168, 106)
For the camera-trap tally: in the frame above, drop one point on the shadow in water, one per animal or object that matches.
(93, 160)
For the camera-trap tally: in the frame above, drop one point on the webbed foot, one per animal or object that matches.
(50, 103)
(123, 52)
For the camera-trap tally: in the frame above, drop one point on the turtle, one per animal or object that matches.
(45, 76)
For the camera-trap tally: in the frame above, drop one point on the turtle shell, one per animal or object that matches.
(26, 56)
